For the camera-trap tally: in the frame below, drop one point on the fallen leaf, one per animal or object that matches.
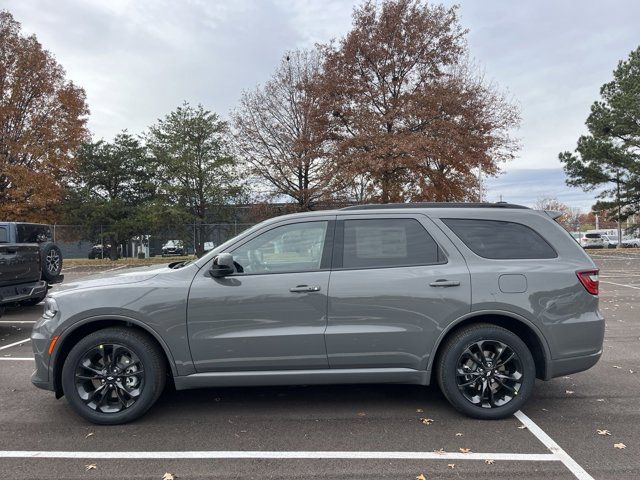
(621, 446)
(459, 434)
(426, 421)
(616, 366)
(168, 476)
(569, 392)
(419, 410)
(90, 434)
(91, 466)
(603, 432)
(451, 465)
(522, 427)
(464, 450)
(362, 414)
(440, 451)
(489, 461)
(600, 400)
(421, 477)
(631, 371)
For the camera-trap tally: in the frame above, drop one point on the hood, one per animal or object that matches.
(119, 276)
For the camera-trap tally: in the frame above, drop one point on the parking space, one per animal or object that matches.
(362, 431)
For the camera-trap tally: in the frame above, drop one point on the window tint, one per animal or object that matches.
(500, 240)
(3, 235)
(390, 242)
(295, 247)
(32, 233)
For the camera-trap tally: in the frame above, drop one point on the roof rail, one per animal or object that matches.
(384, 206)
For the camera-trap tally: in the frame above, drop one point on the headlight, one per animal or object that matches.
(50, 308)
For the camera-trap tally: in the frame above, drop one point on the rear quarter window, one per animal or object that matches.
(500, 240)
(4, 237)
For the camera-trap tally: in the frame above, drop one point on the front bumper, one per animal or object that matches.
(22, 291)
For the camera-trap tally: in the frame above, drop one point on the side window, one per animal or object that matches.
(500, 240)
(295, 247)
(391, 242)
(4, 238)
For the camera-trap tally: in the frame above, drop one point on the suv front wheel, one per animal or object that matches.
(113, 376)
(486, 371)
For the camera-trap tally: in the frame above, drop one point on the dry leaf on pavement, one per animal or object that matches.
(419, 410)
(362, 414)
(421, 477)
(465, 450)
(459, 434)
(88, 435)
(91, 466)
(489, 461)
(522, 427)
(568, 392)
(168, 476)
(603, 432)
(621, 446)
(451, 465)
(426, 421)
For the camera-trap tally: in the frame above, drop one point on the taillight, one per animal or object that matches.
(589, 280)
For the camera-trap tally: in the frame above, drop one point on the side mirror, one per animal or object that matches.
(222, 266)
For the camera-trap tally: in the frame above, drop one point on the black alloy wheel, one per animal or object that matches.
(109, 378)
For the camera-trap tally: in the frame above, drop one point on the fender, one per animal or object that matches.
(65, 334)
(478, 313)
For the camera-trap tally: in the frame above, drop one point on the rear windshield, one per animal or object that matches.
(32, 233)
(500, 240)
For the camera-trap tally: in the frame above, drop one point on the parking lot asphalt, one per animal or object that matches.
(216, 426)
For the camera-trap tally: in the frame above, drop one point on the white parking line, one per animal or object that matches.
(558, 452)
(235, 454)
(17, 359)
(620, 284)
(17, 321)
(16, 343)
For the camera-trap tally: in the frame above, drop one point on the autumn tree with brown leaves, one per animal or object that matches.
(42, 122)
(280, 135)
(408, 114)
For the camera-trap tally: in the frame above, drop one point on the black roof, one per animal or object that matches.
(384, 206)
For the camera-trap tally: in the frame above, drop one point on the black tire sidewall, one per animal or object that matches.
(152, 363)
(448, 363)
(44, 251)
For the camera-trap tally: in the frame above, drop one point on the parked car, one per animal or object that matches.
(630, 242)
(101, 251)
(29, 262)
(610, 241)
(593, 240)
(481, 298)
(173, 248)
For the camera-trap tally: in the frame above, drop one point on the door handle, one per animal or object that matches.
(305, 288)
(445, 283)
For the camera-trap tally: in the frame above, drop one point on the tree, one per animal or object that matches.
(194, 169)
(42, 122)
(279, 133)
(571, 217)
(608, 157)
(406, 110)
(112, 187)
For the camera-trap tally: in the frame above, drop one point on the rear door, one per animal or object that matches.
(396, 282)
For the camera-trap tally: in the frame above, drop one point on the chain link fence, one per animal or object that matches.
(81, 241)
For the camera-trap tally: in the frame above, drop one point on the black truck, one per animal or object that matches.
(29, 263)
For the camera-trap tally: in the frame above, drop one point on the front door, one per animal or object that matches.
(396, 283)
(272, 313)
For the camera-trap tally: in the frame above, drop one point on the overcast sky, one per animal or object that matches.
(139, 59)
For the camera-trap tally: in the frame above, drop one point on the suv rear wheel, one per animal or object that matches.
(486, 371)
(113, 376)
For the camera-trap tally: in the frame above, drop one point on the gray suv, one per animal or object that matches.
(482, 298)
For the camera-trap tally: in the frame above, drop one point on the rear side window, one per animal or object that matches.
(4, 238)
(393, 242)
(593, 235)
(500, 240)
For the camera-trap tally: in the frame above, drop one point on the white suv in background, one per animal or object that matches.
(593, 240)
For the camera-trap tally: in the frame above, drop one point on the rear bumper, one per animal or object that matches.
(566, 366)
(22, 291)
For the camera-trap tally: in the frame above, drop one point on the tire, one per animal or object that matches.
(33, 301)
(51, 261)
(451, 360)
(150, 360)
